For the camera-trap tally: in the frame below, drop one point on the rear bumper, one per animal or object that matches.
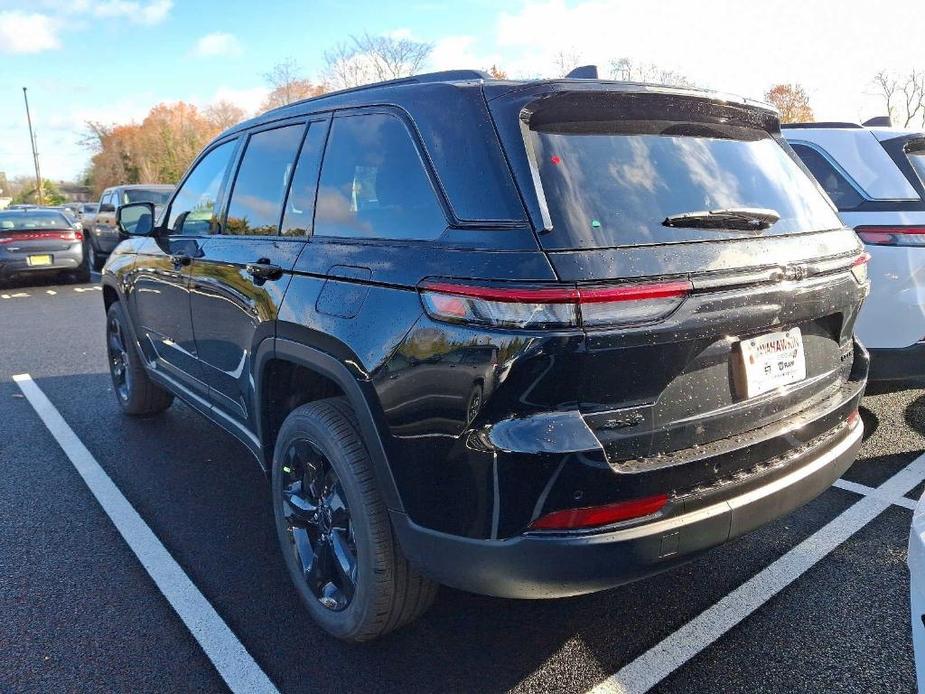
(541, 565)
(70, 259)
(901, 367)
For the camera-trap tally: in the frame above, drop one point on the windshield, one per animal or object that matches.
(24, 221)
(614, 183)
(158, 197)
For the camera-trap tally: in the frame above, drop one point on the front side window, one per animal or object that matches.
(373, 183)
(193, 208)
(837, 187)
(257, 197)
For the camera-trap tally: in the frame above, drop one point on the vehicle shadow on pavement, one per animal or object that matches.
(204, 496)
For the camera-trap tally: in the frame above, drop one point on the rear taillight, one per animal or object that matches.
(859, 268)
(892, 235)
(517, 306)
(596, 516)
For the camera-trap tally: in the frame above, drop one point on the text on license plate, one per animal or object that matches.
(770, 361)
(34, 260)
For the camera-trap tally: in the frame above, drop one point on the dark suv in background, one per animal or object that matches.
(100, 230)
(527, 339)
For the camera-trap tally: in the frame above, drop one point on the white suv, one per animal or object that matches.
(875, 175)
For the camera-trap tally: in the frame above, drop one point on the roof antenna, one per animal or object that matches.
(585, 72)
(879, 121)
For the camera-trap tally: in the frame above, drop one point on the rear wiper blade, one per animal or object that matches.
(738, 218)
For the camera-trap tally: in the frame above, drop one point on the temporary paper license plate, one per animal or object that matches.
(770, 361)
(34, 260)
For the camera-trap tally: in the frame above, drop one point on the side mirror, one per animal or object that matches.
(136, 218)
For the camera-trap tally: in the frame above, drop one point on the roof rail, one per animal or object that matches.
(443, 76)
(820, 124)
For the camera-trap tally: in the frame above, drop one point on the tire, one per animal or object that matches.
(136, 393)
(319, 455)
(94, 260)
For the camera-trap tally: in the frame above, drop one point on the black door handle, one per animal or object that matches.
(180, 260)
(264, 270)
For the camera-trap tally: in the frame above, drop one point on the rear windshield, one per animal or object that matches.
(158, 197)
(19, 221)
(613, 183)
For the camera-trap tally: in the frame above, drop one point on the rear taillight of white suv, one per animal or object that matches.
(892, 235)
(537, 306)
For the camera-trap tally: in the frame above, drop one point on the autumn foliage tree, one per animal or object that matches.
(157, 150)
(287, 85)
(791, 101)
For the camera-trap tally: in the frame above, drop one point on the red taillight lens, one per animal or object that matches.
(552, 307)
(596, 516)
(892, 235)
(859, 268)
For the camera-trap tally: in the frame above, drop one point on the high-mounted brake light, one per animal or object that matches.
(892, 235)
(596, 516)
(553, 307)
(859, 268)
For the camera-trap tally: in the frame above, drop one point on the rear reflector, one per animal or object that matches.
(859, 268)
(892, 235)
(596, 516)
(853, 418)
(535, 306)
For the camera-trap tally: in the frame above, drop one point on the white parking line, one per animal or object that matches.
(17, 295)
(236, 666)
(677, 648)
(864, 490)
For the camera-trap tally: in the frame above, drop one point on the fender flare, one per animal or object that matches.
(330, 367)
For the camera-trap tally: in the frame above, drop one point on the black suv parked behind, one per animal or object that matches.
(528, 339)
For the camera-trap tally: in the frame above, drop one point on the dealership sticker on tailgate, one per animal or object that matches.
(770, 361)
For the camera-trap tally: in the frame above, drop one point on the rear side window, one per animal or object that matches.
(373, 183)
(193, 207)
(257, 197)
(614, 183)
(300, 205)
(843, 194)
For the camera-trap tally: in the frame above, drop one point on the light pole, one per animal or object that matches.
(35, 154)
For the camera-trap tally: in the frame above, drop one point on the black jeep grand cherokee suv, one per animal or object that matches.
(526, 339)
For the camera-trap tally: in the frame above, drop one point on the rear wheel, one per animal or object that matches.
(137, 394)
(334, 529)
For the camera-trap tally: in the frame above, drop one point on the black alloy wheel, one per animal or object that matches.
(116, 345)
(318, 521)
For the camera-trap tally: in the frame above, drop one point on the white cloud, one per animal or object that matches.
(136, 11)
(217, 44)
(458, 53)
(248, 99)
(27, 32)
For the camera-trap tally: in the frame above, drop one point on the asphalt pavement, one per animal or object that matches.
(79, 612)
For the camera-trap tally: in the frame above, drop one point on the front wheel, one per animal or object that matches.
(334, 529)
(94, 260)
(136, 392)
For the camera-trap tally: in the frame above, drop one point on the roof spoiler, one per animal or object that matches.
(878, 122)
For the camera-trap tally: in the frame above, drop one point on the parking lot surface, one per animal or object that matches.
(816, 601)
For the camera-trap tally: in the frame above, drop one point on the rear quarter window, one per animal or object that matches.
(838, 188)
(374, 184)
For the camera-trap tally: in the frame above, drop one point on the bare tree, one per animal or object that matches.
(288, 85)
(886, 86)
(223, 114)
(567, 60)
(903, 97)
(369, 58)
(628, 71)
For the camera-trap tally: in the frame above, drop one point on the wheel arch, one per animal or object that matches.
(280, 350)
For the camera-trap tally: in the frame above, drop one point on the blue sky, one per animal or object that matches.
(111, 60)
